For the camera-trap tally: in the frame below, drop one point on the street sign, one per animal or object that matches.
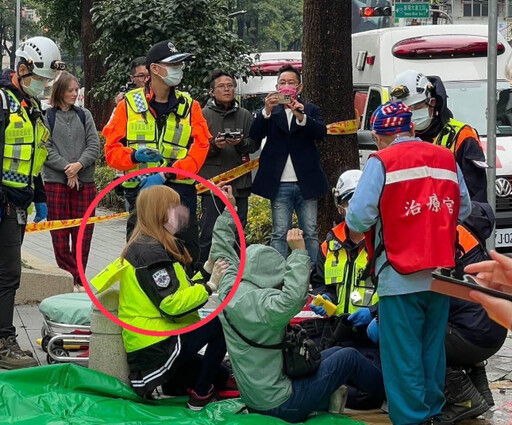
(412, 10)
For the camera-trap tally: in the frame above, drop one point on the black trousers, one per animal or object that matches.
(11, 238)
(190, 235)
(462, 353)
(210, 208)
(198, 371)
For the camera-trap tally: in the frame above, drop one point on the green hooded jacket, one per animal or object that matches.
(271, 293)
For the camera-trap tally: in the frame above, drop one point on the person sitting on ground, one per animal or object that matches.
(272, 291)
(155, 294)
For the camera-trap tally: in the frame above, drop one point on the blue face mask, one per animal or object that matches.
(174, 75)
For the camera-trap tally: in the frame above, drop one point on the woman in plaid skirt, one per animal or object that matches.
(68, 173)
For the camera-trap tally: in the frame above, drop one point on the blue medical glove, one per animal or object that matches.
(143, 155)
(361, 317)
(373, 331)
(41, 212)
(151, 181)
(320, 310)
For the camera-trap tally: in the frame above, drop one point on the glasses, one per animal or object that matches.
(225, 86)
(39, 78)
(140, 76)
(419, 105)
(282, 83)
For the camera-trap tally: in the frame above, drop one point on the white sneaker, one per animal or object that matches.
(384, 407)
(338, 400)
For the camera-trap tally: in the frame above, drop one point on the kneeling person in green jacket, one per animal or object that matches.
(155, 294)
(272, 291)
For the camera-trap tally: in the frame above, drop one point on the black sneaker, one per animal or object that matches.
(479, 379)
(463, 401)
(196, 402)
(12, 356)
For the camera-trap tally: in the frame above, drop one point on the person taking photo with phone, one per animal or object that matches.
(289, 173)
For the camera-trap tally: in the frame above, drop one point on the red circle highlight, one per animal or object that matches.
(179, 172)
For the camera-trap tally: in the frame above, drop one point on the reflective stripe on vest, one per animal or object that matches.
(22, 157)
(142, 131)
(453, 133)
(338, 271)
(419, 206)
(136, 309)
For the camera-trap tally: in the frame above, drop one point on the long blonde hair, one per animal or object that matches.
(153, 205)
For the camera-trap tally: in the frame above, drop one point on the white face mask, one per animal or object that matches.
(421, 118)
(174, 75)
(35, 88)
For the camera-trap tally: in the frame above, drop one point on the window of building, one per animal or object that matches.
(475, 8)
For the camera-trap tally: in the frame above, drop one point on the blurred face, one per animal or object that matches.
(71, 93)
(140, 76)
(224, 89)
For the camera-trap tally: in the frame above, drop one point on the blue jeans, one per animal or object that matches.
(339, 366)
(412, 337)
(289, 198)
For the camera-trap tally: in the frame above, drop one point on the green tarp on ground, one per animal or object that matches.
(67, 394)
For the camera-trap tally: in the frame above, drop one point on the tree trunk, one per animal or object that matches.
(94, 69)
(327, 71)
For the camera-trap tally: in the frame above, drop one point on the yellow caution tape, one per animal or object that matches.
(64, 224)
(231, 174)
(344, 127)
(341, 127)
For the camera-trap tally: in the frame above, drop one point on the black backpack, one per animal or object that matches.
(52, 112)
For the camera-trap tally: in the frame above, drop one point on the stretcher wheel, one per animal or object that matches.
(43, 332)
(44, 343)
(60, 352)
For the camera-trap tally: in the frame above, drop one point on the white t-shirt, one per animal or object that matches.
(288, 174)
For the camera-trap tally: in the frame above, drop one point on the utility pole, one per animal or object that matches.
(18, 18)
(492, 58)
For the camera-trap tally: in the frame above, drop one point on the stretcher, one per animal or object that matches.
(66, 328)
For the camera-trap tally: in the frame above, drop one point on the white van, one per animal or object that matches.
(458, 55)
(251, 93)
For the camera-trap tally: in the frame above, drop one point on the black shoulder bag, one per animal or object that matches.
(301, 356)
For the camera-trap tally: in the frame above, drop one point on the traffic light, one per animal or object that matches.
(371, 12)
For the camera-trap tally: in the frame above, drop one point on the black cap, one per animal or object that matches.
(166, 52)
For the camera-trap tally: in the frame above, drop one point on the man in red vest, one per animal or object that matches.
(409, 199)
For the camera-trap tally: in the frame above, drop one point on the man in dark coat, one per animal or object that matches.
(290, 174)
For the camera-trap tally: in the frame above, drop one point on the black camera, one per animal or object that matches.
(231, 135)
(127, 87)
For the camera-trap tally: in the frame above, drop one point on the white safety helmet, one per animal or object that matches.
(42, 56)
(346, 185)
(411, 87)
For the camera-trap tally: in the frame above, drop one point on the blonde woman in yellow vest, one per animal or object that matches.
(341, 264)
(160, 125)
(156, 294)
(23, 138)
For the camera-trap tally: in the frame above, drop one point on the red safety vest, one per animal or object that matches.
(419, 206)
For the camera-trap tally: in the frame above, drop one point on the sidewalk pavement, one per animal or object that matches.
(108, 241)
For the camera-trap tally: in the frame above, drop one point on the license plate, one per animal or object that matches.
(503, 238)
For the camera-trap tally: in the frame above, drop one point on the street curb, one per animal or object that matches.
(41, 281)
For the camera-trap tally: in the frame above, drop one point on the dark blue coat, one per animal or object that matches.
(297, 141)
